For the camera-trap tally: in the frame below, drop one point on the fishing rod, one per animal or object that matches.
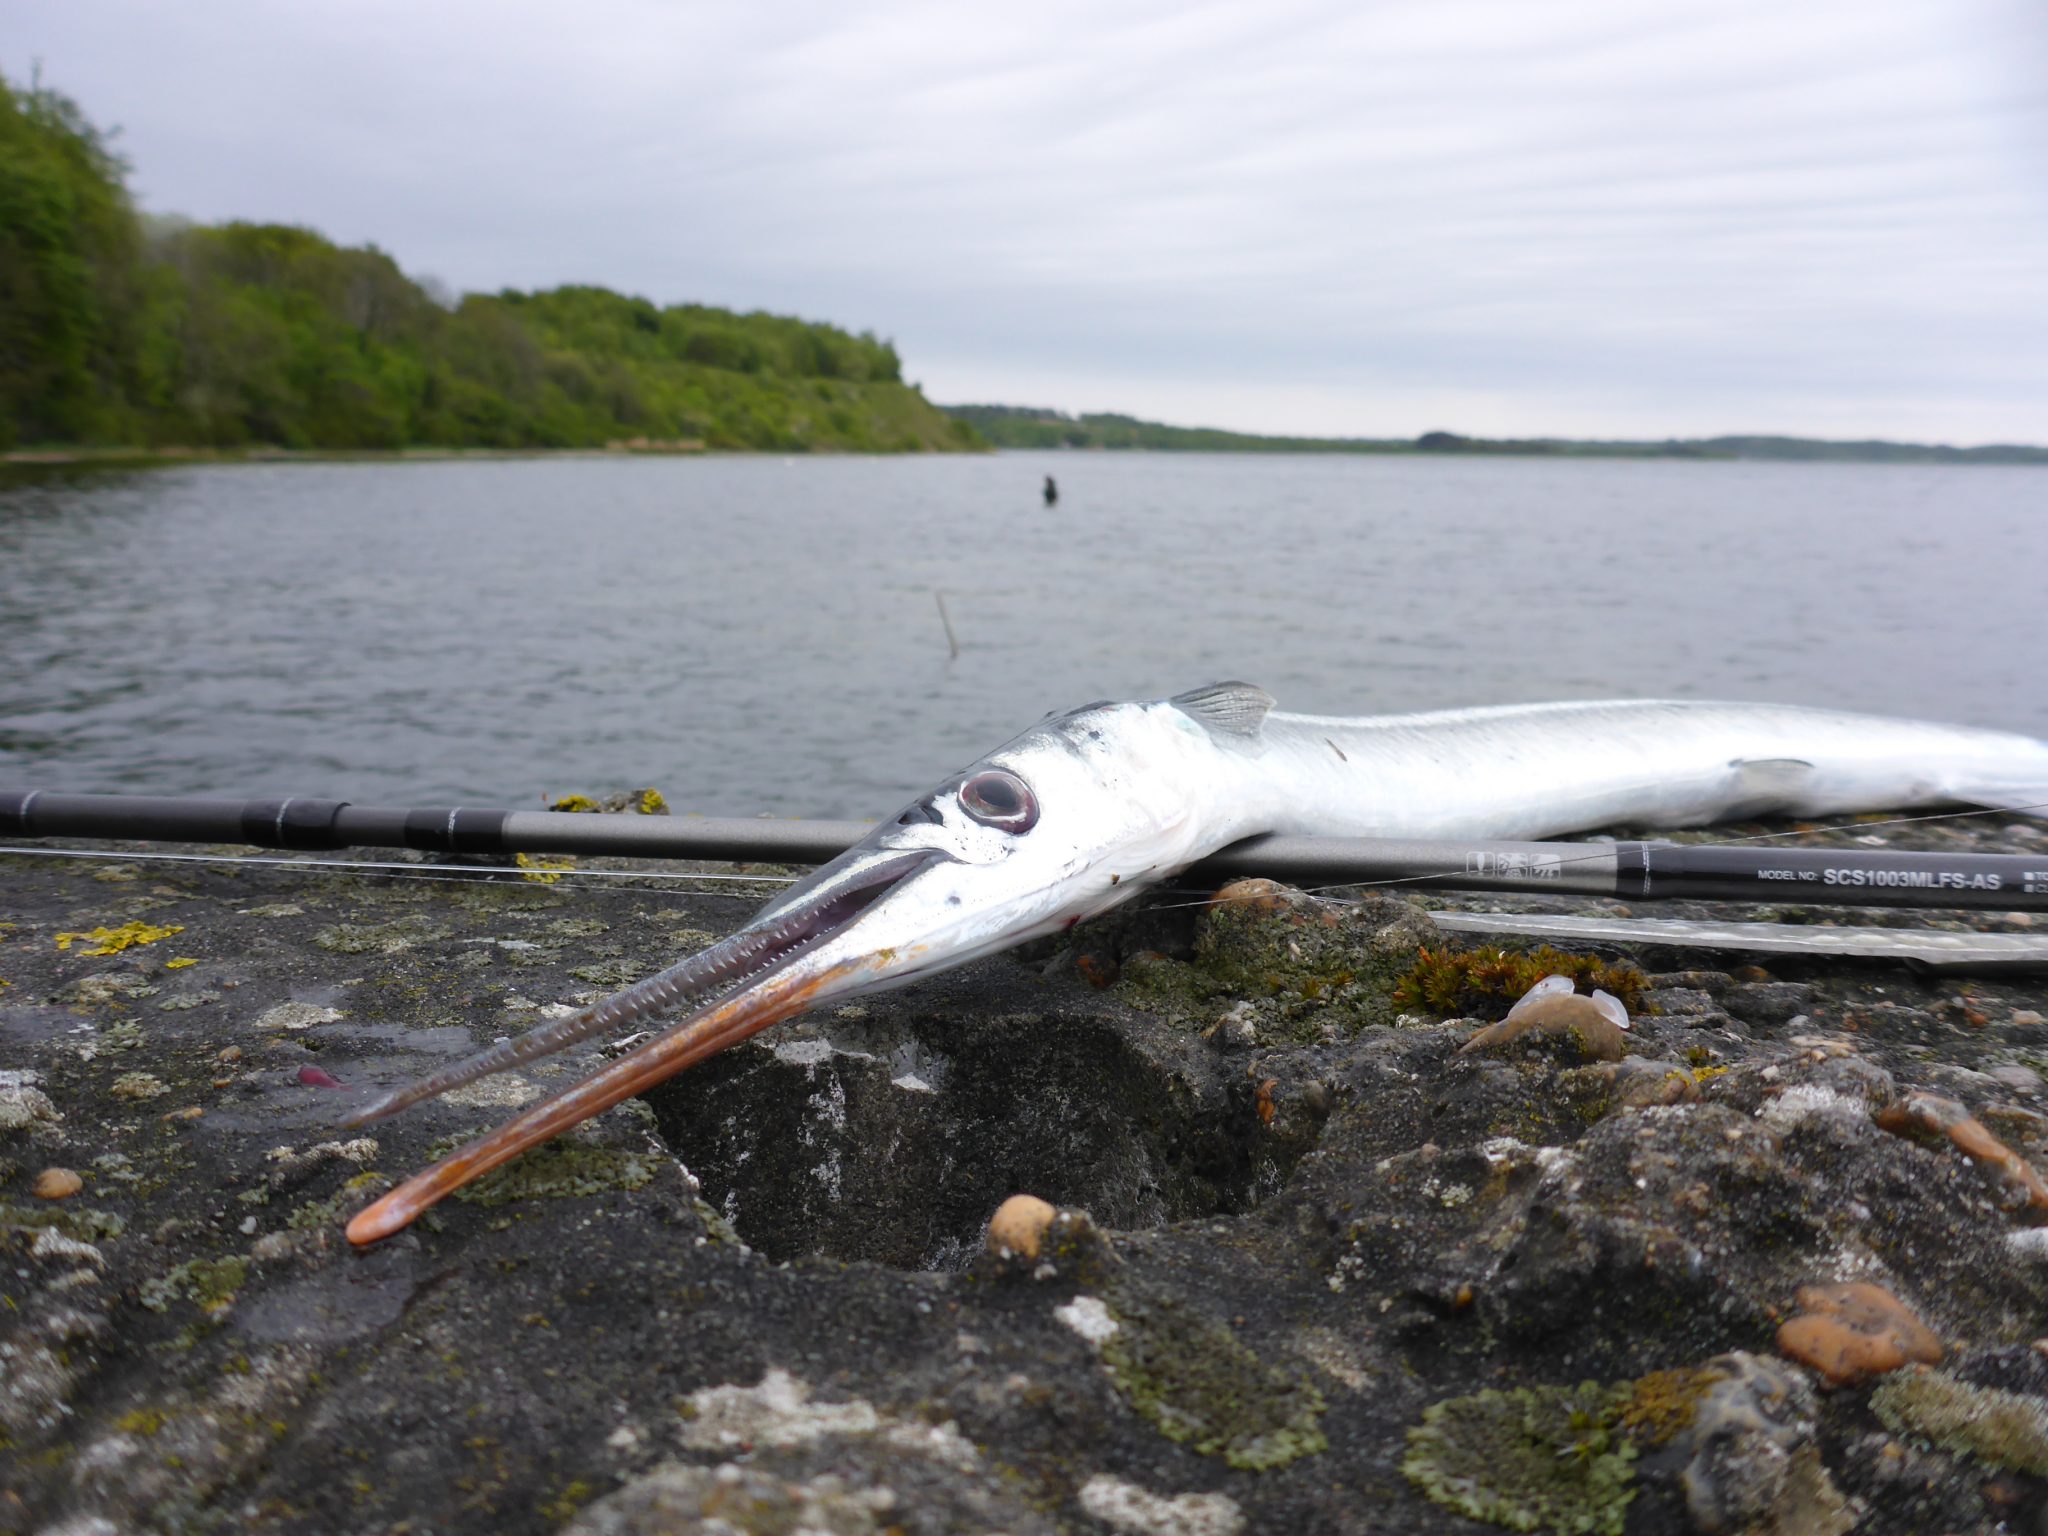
(1630, 871)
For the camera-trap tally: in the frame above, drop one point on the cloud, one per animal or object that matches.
(1588, 216)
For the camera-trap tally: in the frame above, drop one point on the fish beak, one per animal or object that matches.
(803, 949)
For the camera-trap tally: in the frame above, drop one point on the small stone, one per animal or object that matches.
(1679, 1001)
(1089, 1317)
(1714, 983)
(1560, 1018)
(1235, 1031)
(297, 1016)
(1931, 1114)
(2020, 1080)
(1018, 1228)
(1769, 1002)
(1258, 895)
(1850, 1333)
(2026, 1016)
(57, 1184)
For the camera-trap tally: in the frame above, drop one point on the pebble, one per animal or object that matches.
(1557, 1016)
(1018, 1228)
(1679, 1000)
(1850, 1333)
(57, 1184)
(1768, 1002)
(297, 1016)
(1932, 1114)
(2019, 1079)
(1235, 1031)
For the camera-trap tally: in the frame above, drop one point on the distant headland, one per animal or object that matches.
(1021, 426)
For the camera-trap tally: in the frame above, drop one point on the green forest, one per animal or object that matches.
(120, 329)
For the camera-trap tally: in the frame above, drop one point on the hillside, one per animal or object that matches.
(122, 330)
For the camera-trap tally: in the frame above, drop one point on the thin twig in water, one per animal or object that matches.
(952, 640)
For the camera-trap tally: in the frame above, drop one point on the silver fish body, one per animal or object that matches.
(1536, 770)
(1091, 806)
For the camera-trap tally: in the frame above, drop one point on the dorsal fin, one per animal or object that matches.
(1225, 709)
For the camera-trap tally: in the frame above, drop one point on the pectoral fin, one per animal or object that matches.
(1766, 784)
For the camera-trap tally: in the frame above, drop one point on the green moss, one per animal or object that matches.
(390, 938)
(317, 1215)
(610, 973)
(1191, 1378)
(557, 1170)
(1485, 983)
(82, 1223)
(210, 1283)
(564, 1505)
(141, 1421)
(1304, 965)
(1168, 988)
(1535, 1459)
(1319, 962)
(2001, 1429)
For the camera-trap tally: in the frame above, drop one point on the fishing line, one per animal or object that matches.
(452, 873)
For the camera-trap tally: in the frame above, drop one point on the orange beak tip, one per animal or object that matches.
(373, 1223)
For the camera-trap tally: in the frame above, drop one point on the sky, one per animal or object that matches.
(1628, 218)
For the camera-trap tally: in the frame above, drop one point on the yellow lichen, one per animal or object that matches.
(111, 941)
(1662, 1403)
(180, 963)
(543, 871)
(573, 803)
(652, 803)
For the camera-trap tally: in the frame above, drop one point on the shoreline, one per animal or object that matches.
(154, 458)
(131, 458)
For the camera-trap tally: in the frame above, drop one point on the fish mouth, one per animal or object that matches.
(736, 988)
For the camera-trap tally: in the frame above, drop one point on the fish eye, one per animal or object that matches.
(999, 799)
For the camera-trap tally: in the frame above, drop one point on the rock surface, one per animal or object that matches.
(1314, 1269)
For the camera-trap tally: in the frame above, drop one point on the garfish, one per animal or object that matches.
(1091, 806)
